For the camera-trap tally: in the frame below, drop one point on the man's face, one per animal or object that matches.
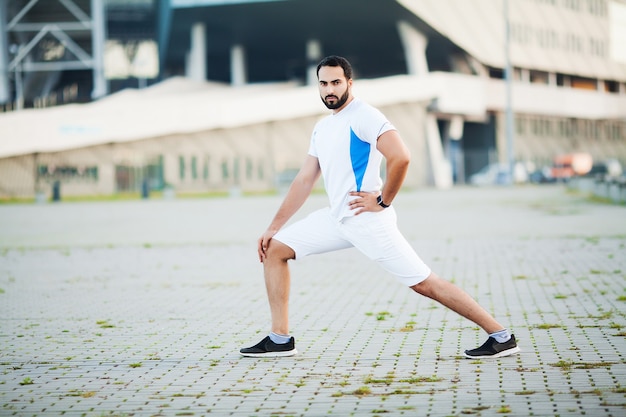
(334, 87)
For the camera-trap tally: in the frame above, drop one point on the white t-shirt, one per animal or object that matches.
(345, 145)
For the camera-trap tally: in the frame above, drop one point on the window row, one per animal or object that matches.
(547, 38)
(65, 172)
(195, 168)
(570, 128)
(594, 7)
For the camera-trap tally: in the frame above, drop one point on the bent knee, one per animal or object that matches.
(277, 250)
(426, 286)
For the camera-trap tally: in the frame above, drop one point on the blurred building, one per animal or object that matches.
(236, 99)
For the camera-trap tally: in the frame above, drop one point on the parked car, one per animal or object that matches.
(541, 176)
(499, 174)
(570, 165)
(610, 168)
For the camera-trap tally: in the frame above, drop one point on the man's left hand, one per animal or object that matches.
(364, 202)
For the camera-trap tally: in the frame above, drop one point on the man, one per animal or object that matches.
(347, 148)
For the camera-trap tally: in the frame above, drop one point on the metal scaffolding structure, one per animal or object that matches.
(40, 39)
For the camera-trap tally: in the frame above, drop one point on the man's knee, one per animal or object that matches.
(278, 251)
(426, 287)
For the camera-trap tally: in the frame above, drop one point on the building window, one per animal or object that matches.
(260, 170)
(205, 169)
(249, 169)
(496, 73)
(236, 170)
(194, 167)
(539, 77)
(611, 86)
(181, 167)
(520, 125)
(597, 47)
(67, 172)
(225, 171)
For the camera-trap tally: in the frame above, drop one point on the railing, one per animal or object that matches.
(604, 187)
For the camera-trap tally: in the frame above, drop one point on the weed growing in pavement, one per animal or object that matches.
(383, 315)
(26, 381)
(104, 324)
(362, 391)
(421, 379)
(79, 393)
(566, 365)
(603, 316)
(525, 392)
(546, 326)
(388, 380)
(409, 326)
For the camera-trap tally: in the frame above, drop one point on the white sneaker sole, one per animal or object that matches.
(270, 354)
(507, 352)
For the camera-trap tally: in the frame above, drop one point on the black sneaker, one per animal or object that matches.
(268, 349)
(492, 349)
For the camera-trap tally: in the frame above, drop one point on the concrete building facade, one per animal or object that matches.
(466, 83)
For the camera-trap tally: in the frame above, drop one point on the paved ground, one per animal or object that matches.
(139, 308)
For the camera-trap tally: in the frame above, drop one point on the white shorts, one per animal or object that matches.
(375, 234)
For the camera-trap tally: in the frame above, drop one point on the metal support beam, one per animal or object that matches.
(414, 44)
(77, 21)
(313, 56)
(238, 73)
(508, 80)
(196, 58)
(61, 37)
(4, 55)
(98, 37)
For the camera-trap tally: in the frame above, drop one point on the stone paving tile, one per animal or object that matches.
(140, 327)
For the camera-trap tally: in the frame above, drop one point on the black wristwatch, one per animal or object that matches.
(380, 202)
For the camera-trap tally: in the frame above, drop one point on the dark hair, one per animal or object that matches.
(336, 61)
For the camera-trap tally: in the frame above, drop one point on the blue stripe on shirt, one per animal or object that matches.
(359, 155)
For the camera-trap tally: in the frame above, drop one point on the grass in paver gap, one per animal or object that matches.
(546, 326)
(566, 365)
(380, 316)
(27, 381)
(104, 324)
(405, 385)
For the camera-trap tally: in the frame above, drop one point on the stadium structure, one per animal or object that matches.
(109, 96)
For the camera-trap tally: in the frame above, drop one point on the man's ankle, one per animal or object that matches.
(279, 339)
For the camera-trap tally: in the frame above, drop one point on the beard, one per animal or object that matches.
(340, 102)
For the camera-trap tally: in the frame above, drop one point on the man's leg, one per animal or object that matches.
(457, 300)
(500, 342)
(278, 284)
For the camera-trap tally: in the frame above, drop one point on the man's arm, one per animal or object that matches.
(397, 155)
(298, 192)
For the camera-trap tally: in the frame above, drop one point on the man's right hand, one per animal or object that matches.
(264, 242)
